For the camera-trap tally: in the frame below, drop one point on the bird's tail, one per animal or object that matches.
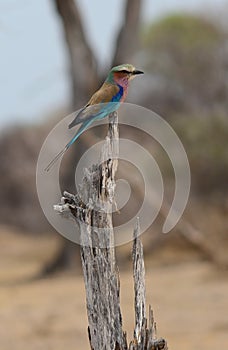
(76, 136)
(54, 160)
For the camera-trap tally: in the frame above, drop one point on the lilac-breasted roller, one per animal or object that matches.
(103, 102)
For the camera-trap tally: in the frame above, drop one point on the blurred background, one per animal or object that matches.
(54, 54)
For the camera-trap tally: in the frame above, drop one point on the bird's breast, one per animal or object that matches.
(121, 94)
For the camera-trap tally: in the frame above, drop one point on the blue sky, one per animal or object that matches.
(33, 69)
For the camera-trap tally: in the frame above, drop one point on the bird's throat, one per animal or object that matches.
(123, 83)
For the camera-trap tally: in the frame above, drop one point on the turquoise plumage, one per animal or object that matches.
(104, 101)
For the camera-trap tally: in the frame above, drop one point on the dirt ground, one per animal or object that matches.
(190, 301)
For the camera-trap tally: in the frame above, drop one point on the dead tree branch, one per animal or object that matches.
(139, 283)
(92, 209)
(145, 333)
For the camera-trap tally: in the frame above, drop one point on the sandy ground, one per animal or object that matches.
(190, 301)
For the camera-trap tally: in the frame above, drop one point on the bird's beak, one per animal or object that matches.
(136, 72)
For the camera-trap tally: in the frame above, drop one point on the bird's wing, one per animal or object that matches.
(96, 104)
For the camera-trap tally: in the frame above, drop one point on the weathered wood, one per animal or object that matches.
(97, 249)
(145, 333)
(139, 283)
(92, 209)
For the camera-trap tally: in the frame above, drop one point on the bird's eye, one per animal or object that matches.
(125, 71)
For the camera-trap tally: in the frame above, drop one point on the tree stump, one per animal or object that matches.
(92, 209)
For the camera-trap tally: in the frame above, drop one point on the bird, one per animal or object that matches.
(103, 102)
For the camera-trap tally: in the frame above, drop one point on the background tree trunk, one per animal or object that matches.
(128, 39)
(83, 66)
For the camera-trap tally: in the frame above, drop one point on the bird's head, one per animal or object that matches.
(123, 73)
